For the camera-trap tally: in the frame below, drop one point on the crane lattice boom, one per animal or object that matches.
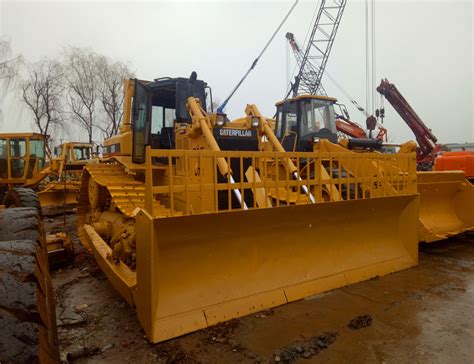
(313, 61)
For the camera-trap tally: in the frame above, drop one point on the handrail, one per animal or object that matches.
(190, 182)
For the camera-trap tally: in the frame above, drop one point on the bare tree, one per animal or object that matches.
(42, 92)
(82, 82)
(8, 63)
(111, 76)
(9, 66)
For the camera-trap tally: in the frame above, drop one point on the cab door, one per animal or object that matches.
(140, 122)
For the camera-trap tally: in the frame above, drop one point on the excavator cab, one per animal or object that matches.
(157, 106)
(303, 120)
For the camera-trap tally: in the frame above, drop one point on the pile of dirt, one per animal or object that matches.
(305, 348)
(359, 322)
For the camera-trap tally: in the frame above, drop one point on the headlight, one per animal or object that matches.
(255, 122)
(220, 120)
(315, 139)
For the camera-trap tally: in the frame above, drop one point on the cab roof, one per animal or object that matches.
(300, 97)
(77, 144)
(23, 135)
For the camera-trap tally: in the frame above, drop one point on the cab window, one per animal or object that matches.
(17, 155)
(157, 119)
(82, 153)
(3, 159)
(37, 155)
(291, 119)
(17, 147)
(324, 113)
(310, 124)
(317, 114)
(279, 122)
(37, 148)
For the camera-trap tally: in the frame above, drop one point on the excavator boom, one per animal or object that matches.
(424, 136)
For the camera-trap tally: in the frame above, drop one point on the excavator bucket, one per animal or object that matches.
(446, 205)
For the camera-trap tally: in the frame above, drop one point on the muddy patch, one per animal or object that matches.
(360, 322)
(305, 348)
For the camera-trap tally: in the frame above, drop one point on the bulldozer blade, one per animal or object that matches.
(55, 198)
(446, 205)
(196, 271)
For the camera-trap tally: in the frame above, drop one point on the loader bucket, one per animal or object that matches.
(446, 205)
(199, 270)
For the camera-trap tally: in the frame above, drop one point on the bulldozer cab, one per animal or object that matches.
(74, 152)
(22, 158)
(302, 120)
(157, 106)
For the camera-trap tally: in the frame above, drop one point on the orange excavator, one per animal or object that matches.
(428, 154)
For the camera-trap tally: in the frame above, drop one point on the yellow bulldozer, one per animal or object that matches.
(60, 188)
(196, 219)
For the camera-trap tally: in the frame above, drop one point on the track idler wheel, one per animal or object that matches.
(97, 195)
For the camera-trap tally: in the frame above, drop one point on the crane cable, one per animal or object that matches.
(370, 59)
(346, 93)
(220, 109)
(374, 62)
(367, 82)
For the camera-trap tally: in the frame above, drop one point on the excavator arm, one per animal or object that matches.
(427, 142)
(350, 128)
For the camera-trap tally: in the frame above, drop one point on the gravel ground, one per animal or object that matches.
(424, 314)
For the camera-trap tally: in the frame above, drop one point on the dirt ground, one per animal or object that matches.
(424, 314)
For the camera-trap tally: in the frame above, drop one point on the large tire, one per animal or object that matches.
(22, 197)
(28, 330)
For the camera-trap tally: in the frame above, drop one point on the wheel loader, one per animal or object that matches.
(446, 197)
(196, 219)
(24, 168)
(23, 163)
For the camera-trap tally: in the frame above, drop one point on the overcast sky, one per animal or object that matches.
(424, 47)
